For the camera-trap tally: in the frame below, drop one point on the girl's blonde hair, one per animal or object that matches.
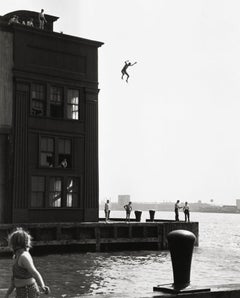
(19, 239)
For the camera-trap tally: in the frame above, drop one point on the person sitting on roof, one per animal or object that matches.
(42, 19)
(30, 23)
(13, 19)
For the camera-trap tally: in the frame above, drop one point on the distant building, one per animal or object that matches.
(48, 123)
(238, 204)
(123, 200)
(229, 208)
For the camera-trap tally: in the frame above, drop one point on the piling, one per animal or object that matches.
(180, 244)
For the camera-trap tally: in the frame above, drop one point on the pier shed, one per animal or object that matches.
(48, 123)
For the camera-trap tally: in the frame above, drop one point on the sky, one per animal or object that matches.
(173, 131)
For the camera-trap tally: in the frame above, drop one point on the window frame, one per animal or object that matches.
(54, 102)
(47, 102)
(47, 192)
(68, 104)
(57, 179)
(69, 157)
(55, 154)
(44, 151)
(74, 192)
(39, 100)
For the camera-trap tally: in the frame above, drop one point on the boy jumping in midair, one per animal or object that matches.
(124, 70)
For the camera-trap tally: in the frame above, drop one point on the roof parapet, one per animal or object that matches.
(26, 15)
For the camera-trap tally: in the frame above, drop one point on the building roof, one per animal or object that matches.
(25, 15)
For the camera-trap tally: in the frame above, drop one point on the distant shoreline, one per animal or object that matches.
(169, 207)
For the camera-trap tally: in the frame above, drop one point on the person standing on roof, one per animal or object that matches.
(42, 19)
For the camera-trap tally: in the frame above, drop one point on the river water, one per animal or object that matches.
(133, 274)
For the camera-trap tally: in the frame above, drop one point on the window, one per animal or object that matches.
(38, 190)
(73, 104)
(59, 155)
(53, 101)
(46, 152)
(61, 192)
(38, 100)
(72, 192)
(56, 102)
(55, 192)
(64, 153)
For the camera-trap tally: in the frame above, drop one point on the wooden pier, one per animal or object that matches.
(99, 236)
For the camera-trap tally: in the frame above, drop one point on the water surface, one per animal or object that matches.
(133, 274)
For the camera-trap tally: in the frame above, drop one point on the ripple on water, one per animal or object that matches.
(129, 274)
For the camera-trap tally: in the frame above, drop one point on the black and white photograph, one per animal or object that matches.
(120, 148)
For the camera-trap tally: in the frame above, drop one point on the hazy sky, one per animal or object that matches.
(173, 131)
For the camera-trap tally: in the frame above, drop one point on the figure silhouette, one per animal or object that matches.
(125, 67)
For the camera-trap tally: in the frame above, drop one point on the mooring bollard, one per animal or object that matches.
(138, 215)
(180, 243)
(151, 214)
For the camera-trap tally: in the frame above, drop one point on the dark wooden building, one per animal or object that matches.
(48, 123)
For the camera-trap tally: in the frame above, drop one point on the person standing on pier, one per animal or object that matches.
(26, 279)
(177, 207)
(128, 209)
(107, 210)
(186, 212)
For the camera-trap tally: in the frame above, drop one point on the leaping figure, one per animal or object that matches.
(125, 67)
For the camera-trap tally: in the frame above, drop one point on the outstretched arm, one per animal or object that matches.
(133, 63)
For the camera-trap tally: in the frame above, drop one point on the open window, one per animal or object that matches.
(72, 192)
(55, 192)
(46, 152)
(64, 153)
(73, 104)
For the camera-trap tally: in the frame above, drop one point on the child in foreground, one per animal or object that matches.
(26, 279)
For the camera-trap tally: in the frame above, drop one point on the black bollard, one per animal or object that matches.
(180, 244)
(151, 214)
(138, 215)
